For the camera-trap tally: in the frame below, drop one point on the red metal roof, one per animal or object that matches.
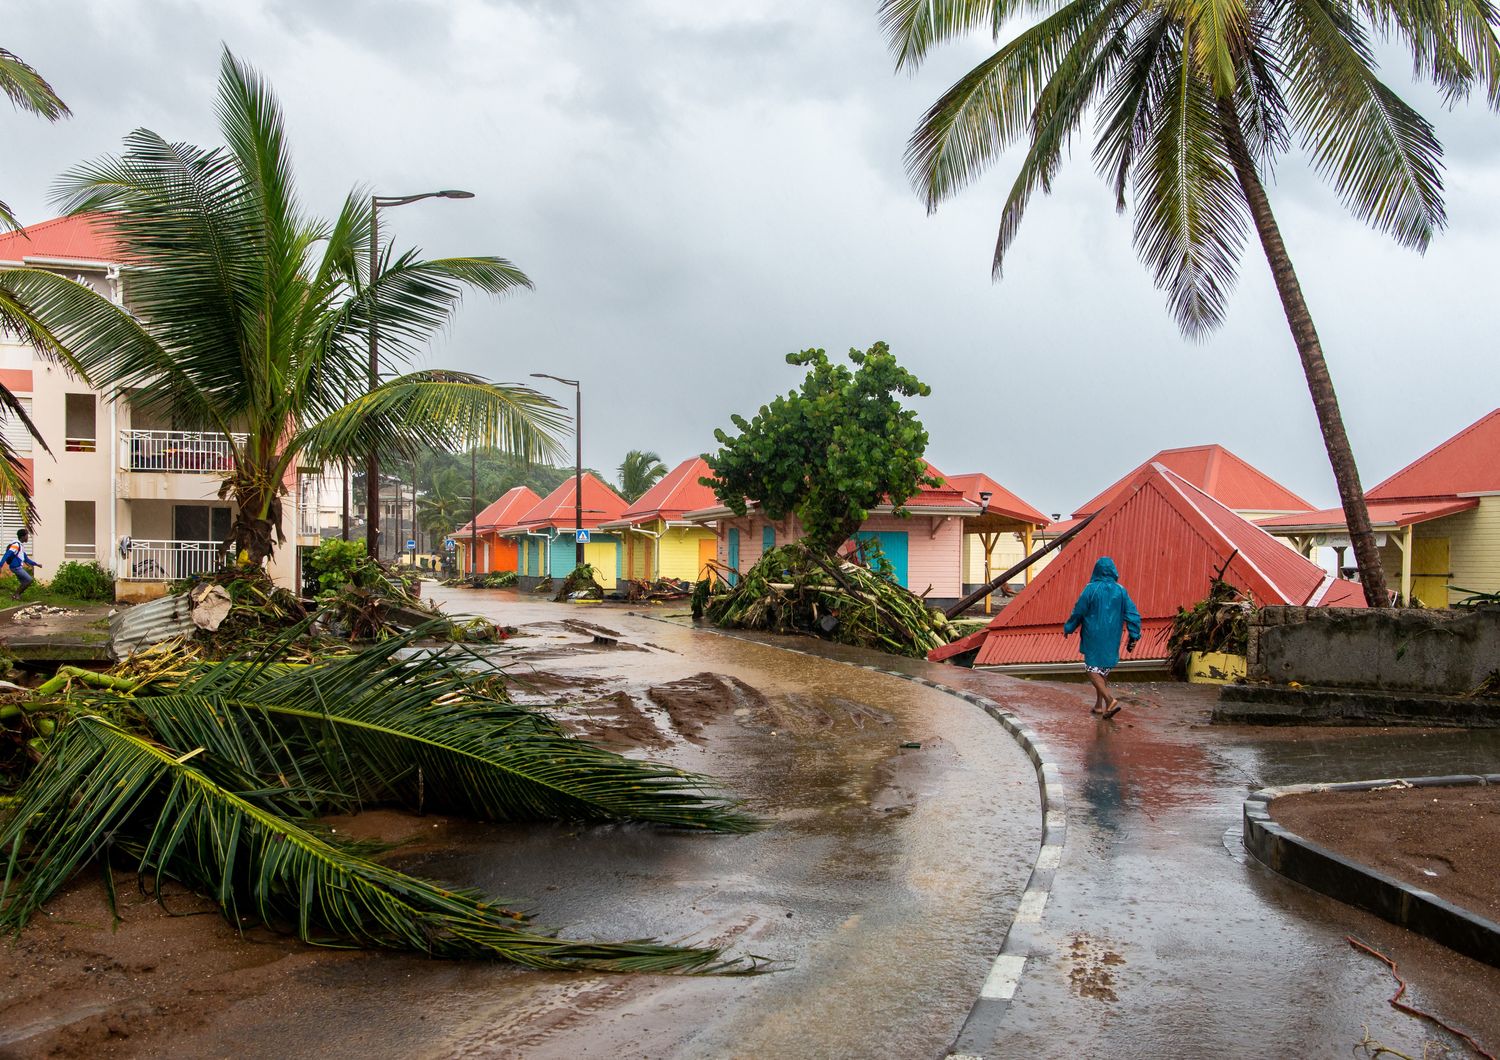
(1002, 500)
(1220, 474)
(1469, 462)
(82, 238)
(1383, 515)
(678, 492)
(507, 510)
(944, 495)
(557, 510)
(1168, 539)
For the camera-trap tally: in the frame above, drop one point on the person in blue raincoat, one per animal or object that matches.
(1103, 609)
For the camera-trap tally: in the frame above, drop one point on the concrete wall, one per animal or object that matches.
(1391, 649)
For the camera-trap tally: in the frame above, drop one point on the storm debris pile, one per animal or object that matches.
(794, 589)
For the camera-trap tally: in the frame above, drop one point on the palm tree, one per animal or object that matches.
(446, 503)
(639, 471)
(214, 774)
(1194, 102)
(28, 91)
(254, 315)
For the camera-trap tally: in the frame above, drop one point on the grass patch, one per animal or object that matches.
(42, 594)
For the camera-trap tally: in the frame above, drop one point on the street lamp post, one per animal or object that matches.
(577, 457)
(988, 541)
(372, 465)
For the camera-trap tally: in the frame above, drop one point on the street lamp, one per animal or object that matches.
(577, 457)
(988, 540)
(372, 465)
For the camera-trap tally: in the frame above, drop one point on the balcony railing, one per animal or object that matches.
(79, 445)
(167, 561)
(81, 552)
(184, 452)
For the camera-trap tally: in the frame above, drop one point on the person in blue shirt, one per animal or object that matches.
(1103, 610)
(20, 564)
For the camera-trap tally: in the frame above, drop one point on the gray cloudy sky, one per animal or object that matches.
(699, 187)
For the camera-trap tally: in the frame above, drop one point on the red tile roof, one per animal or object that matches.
(677, 492)
(1383, 515)
(1002, 500)
(944, 495)
(1469, 462)
(1168, 539)
(557, 510)
(82, 238)
(1220, 474)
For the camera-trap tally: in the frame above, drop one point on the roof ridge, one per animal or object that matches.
(1434, 451)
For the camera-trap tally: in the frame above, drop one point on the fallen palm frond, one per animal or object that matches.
(794, 589)
(1220, 622)
(580, 584)
(212, 773)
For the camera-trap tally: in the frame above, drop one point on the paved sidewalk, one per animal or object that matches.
(1160, 939)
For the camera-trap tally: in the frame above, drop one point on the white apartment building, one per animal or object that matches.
(122, 486)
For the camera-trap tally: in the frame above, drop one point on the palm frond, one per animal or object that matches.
(440, 410)
(1060, 108)
(29, 90)
(1452, 43)
(1133, 97)
(102, 785)
(1217, 29)
(991, 106)
(914, 27)
(1383, 157)
(1191, 216)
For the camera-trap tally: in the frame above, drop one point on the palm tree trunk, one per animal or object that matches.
(1310, 349)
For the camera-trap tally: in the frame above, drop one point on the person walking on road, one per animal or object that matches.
(20, 564)
(1103, 610)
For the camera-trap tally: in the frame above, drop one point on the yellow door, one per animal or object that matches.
(601, 556)
(708, 551)
(1430, 571)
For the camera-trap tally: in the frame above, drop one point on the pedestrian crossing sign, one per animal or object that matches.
(581, 536)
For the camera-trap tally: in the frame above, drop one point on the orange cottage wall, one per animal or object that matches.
(502, 553)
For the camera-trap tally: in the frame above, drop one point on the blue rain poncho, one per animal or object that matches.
(1102, 609)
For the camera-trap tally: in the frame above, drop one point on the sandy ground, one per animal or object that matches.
(1444, 840)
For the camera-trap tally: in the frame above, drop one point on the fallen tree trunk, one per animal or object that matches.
(1004, 576)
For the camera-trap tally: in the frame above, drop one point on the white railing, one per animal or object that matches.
(82, 552)
(79, 445)
(169, 561)
(186, 452)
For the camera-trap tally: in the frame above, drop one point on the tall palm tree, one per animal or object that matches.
(639, 471)
(1194, 101)
(446, 504)
(28, 91)
(251, 316)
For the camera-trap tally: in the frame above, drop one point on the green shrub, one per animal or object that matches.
(84, 581)
(337, 563)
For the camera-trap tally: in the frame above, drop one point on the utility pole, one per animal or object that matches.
(577, 457)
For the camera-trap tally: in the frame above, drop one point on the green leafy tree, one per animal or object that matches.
(639, 471)
(446, 504)
(1193, 103)
(829, 451)
(28, 91)
(254, 316)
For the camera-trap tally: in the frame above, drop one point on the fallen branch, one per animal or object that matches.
(1411, 1010)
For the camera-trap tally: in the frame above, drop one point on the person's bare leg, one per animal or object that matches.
(1101, 693)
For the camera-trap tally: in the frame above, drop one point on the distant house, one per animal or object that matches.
(1168, 539)
(925, 548)
(495, 551)
(659, 541)
(546, 535)
(1437, 520)
(1000, 534)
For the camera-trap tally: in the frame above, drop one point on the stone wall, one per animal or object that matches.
(1393, 649)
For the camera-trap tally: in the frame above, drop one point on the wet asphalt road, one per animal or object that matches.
(883, 882)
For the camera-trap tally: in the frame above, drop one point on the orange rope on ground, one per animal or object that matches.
(1410, 1010)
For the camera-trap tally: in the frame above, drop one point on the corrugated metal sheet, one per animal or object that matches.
(1382, 513)
(1232, 481)
(143, 625)
(678, 491)
(1168, 539)
(1469, 462)
(559, 511)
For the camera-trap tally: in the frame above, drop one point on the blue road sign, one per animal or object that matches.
(411, 546)
(581, 537)
(449, 545)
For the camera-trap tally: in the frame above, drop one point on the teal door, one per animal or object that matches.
(734, 555)
(893, 543)
(767, 539)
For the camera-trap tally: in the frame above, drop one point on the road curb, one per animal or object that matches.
(981, 1029)
(1361, 886)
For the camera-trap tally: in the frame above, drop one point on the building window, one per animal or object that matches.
(16, 434)
(80, 431)
(78, 531)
